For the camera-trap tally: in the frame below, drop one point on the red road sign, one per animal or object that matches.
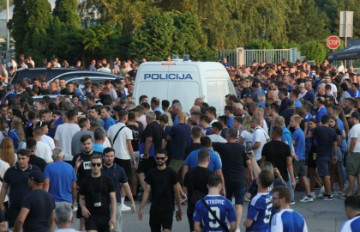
(333, 42)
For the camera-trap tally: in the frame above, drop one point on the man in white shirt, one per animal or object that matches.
(43, 150)
(259, 138)
(65, 132)
(353, 158)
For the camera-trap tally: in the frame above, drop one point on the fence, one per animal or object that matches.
(241, 56)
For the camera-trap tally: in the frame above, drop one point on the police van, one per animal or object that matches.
(185, 81)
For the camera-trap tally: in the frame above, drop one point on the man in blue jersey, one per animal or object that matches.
(352, 210)
(221, 207)
(286, 220)
(259, 209)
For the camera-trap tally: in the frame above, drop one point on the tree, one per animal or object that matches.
(189, 37)
(17, 25)
(66, 12)
(307, 22)
(37, 27)
(155, 37)
(314, 50)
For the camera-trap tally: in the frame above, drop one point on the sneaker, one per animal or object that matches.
(292, 203)
(237, 230)
(307, 199)
(125, 208)
(341, 194)
(313, 194)
(327, 197)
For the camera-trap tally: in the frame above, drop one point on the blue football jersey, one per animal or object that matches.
(259, 211)
(288, 220)
(221, 206)
(351, 225)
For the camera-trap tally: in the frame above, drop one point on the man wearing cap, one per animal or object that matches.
(16, 180)
(353, 159)
(37, 207)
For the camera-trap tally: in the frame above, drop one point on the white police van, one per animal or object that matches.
(185, 81)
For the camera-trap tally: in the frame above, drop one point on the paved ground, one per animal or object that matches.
(320, 215)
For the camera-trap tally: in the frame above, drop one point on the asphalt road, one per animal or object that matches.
(320, 216)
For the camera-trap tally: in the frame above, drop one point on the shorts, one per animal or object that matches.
(160, 220)
(146, 165)
(299, 168)
(311, 159)
(176, 164)
(12, 214)
(236, 189)
(323, 165)
(98, 222)
(353, 164)
(126, 165)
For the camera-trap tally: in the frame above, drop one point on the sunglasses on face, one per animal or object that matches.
(96, 164)
(160, 158)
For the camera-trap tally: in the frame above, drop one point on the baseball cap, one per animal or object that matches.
(37, 176)
(356, 115)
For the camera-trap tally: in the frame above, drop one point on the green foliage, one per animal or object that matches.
(155, 38)
(258, 44)
(17, 25)
(314, 50)
(66, 12)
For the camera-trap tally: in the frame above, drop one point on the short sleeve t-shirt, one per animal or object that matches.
(97, 194)
(40, 205)
(299, 137)
(18, 181)
(259, 211)
(355, 133)
(118, 175)
(155, 131)
(220, 205)
(325, 137)
(162, 189)
(192, 160)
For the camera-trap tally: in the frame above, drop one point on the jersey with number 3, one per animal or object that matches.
(222, 208)
(259, 211)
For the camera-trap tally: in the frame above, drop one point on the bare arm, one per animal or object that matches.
(255, 146)
(73, 193)
(197, 227)
(248, 222)
(144, 200)
(131, 151)
(185, 170)
(352, 145)
(220, 173)
(4, 189)
(290, 169)
(128, 192)
(84, 211)
(56, 143)
(21, 219)
(113, 208)
(46, 184)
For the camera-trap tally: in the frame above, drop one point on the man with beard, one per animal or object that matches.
(163, 184)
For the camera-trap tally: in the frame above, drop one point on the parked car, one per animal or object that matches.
(82, 74)
(30, 73)
(93, 79)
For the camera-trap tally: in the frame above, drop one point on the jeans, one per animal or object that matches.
(289, 184)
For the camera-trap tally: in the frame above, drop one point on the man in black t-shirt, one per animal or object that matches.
(234, 160)
(278, 154)
(150, 143)
(98, 199)
(83, 168)
(164, 186)
(37, 207)
(16, 181)
(195, 182)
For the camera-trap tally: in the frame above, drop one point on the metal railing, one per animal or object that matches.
(241, 56)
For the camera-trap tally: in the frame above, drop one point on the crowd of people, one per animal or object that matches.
(291, 125)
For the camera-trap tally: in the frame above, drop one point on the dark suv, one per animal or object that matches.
(30, 73)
